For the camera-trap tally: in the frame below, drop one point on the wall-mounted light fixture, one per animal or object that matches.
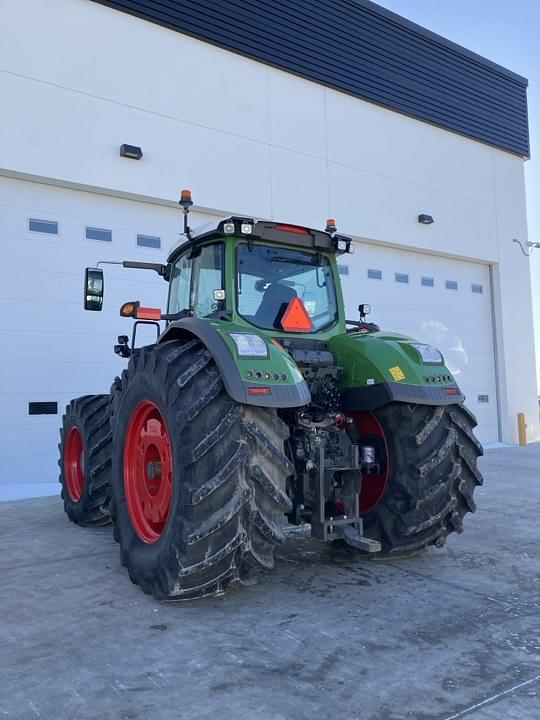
(425, 219)
(134, 152)
(528, 244)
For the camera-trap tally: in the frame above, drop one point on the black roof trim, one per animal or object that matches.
(440, 40)
(364, 50)
(270, 231)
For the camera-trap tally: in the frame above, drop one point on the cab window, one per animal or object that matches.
(207, 277)
(180, 285)
(194, 280)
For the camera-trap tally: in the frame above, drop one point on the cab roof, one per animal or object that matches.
(269, 230)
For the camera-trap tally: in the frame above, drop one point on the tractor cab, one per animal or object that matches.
(274, 277)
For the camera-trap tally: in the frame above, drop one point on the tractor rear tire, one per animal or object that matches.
(198, 479)
(85, 460)
(432, 463)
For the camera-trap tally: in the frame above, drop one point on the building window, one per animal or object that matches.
(402, 278)
(150, 241)
(43, 226)
(374, 274)
(451, 285)
(477, 288)
(427, 282)
(93, 233)
(343, 269)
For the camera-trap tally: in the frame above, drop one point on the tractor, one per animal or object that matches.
(259, 404)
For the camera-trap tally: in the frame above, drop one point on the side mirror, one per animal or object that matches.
(93, 289)
(364, 309)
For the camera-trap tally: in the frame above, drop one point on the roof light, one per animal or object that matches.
(330, 226)
(185, 199)
(292, 229)
(296, 318)
(343, 244)
(228, 228)
(246, 228)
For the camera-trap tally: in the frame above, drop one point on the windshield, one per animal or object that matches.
(269, 278)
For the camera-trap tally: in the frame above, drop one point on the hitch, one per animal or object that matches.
(354, 537)
(349, 528)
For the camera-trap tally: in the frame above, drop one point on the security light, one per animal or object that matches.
(529, 244)
(424, 219)
(134, 152)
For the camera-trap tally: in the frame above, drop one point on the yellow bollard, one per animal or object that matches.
(522, 429)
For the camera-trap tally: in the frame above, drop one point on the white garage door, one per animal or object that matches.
(436, 300)
(52, 350)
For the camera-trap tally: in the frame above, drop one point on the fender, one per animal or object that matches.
(385, 367)
(293, 394)
(375, 396)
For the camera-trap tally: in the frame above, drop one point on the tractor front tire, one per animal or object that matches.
(85, 460)
(432, 458)
(198, 479)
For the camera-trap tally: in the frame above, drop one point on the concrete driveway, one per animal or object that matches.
(447, 634)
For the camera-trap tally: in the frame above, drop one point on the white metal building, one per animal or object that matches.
(264, 136)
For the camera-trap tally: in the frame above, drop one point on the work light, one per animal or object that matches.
(249, 345)
(429, 354)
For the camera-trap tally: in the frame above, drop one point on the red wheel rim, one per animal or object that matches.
(373, 486)
(148, 472)
(74, 464)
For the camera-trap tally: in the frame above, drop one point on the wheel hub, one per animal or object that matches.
(74, 464)
(148, 471)
(373, 483)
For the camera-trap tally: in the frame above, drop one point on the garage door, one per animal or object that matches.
(436, 300)
(52, 350)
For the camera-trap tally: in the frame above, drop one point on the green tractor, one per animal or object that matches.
(259, 403)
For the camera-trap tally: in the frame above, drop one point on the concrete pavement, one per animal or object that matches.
(447, 634)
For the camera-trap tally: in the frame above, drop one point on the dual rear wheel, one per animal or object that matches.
(196, 482)
(85, 460)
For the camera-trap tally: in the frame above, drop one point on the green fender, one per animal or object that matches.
(280, 384)
(383, 367)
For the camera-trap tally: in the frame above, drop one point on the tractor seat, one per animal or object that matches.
(274, 303)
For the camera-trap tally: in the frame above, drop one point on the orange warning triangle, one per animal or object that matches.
(296, 318)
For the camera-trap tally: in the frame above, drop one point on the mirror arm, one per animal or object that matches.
(163, 270)
(156, 267)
